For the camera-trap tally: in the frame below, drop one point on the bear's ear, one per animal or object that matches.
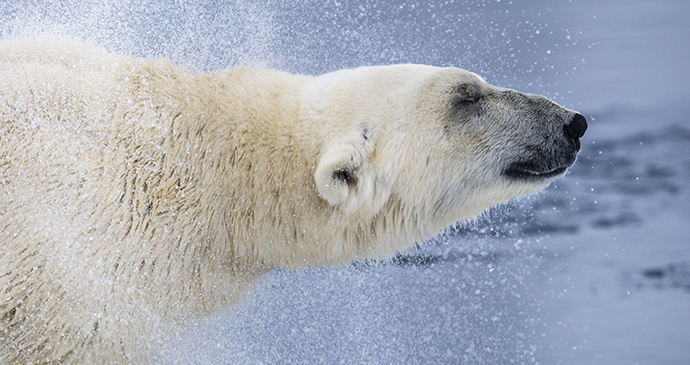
(339, 176)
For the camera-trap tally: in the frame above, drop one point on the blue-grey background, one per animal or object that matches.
(595, 270)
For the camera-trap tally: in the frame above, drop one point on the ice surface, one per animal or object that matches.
(593, 271)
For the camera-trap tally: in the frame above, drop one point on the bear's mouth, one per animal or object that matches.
(532, 171)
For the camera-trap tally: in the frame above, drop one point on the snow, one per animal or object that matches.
(596, 270)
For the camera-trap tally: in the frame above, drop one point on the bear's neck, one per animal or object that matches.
(209, 191)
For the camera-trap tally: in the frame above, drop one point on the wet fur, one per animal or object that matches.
(136, 194)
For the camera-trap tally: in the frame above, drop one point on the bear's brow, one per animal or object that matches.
(467, 88)
(515, 97)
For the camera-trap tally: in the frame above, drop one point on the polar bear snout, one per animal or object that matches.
(576, 129)
(543, 161)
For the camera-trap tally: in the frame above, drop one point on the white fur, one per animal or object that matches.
(135, 194)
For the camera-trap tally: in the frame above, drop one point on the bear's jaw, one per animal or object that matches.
(531, 171)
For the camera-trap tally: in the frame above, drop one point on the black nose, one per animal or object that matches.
(576, 129)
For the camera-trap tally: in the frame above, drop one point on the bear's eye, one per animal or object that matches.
(463, 102)
(465, 95)
(466, 100)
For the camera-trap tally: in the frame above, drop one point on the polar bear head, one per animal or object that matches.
(439, 144)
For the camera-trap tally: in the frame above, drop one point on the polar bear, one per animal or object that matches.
(135, 193)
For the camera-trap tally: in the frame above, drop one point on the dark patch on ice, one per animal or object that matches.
(622, 219)
(539, 228)
(672, 276)
(660, 171)
(654, 273)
